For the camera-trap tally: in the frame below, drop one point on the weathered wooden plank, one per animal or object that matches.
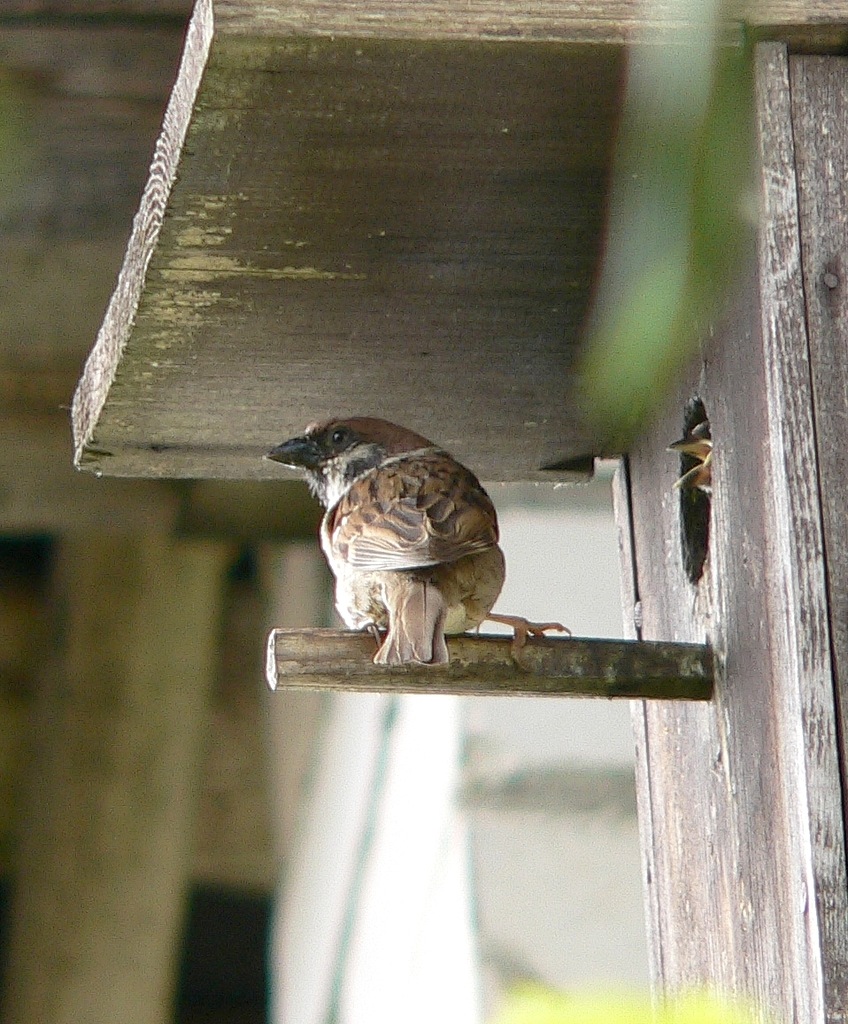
(605, 21)
(611, 22)
(82, 107)
(752, 847)
(101, 364)
(321, 659)
(819, 88)
(649, 823)
(299, 586)
(801, 590)
(336, 250)
(358, 250)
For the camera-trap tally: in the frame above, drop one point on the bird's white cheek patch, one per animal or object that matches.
(334, 483)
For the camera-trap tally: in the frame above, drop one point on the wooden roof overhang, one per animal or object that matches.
(382, 208)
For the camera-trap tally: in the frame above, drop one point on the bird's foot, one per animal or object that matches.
(522, 628)
(375, 632)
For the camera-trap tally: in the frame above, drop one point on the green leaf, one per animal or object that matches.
(535, 1004)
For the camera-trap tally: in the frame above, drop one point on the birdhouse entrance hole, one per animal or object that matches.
(695, 500)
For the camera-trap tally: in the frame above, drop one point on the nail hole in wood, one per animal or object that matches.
(694, 489)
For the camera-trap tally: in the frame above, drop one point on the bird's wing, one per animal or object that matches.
(413, 513)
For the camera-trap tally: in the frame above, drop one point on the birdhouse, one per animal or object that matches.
(414, 212)
(406, 203)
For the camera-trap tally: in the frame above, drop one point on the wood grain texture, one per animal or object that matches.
(649, 821)
(380, 206)
(608, 21)
(752, 847)
(819, 89)
(338, 659)
(597, 21)
(614, 21)
(801, 590)
(359, 227)
(102, 362)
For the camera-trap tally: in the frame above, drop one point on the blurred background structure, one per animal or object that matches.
(155, 804)
(179, 845)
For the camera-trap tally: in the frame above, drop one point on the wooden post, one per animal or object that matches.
(298, 582)
(117, 724)
(741, 801)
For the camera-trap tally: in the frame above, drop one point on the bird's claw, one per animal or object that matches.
(375, 632)
(522, 628)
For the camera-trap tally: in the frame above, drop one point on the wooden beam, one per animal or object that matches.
(329, 265)
(609, 22)
(298, 583)
(101, 365)
(40, 491)
(819, 94)
(233, 842)
(105, 851)
(323, 659)
(599, 21)
(329, 257)
(740, 800)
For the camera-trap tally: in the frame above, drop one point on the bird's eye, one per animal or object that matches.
(339, 436)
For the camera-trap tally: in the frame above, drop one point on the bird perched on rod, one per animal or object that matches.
(410, 535)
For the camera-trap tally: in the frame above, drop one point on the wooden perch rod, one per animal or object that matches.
(327, 659)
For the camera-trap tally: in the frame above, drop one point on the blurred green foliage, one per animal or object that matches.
(534, 1004)
(681, 216)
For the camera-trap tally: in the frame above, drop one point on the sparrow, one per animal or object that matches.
(697, 447)
(409, 533)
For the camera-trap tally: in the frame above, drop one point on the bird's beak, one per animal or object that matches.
(698, 448)
(297, 452)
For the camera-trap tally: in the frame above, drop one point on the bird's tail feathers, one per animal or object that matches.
(416, 632)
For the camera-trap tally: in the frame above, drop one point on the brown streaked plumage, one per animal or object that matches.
(409, 533)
